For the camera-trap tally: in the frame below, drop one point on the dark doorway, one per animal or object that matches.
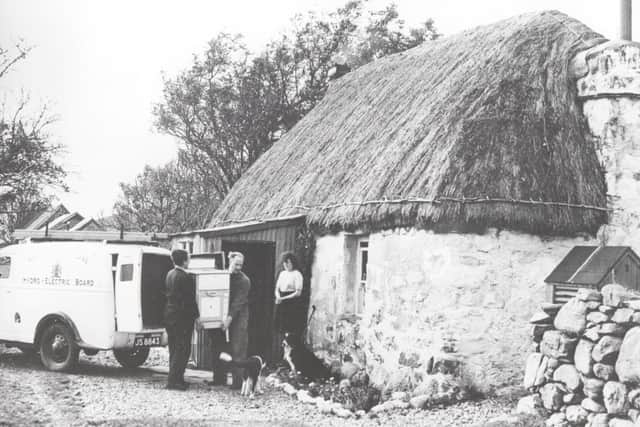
(259, 261)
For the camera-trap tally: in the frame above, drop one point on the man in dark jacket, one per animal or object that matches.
(237, 323)
(180, 313)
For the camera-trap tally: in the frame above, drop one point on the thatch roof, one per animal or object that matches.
(489, 114)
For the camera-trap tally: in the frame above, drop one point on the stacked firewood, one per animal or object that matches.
(586, 368)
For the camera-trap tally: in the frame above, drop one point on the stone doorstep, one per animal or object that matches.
(194, 374)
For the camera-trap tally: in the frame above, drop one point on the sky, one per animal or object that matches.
(98, 64)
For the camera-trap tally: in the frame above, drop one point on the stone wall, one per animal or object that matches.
(430, 293)
(586, 368)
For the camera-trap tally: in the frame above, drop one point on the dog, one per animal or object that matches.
(301, 360)
(252, 369)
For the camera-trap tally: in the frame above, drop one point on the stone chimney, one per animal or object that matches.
(608, 83)
(625, 20)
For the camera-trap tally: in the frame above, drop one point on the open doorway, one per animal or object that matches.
(259, 262)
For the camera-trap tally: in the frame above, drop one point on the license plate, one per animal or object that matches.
(147, 340)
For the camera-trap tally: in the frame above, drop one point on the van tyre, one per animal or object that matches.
(131, 358)
(58, 348)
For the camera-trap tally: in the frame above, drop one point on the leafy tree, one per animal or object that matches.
(28, 157)
(169, 198)
(230, 106)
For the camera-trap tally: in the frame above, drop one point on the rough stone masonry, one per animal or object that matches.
(586, 370)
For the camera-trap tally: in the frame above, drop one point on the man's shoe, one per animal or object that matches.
(181, 387)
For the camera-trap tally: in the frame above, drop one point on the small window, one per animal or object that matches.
(5, 267)
(626, 268)
(187, 246)
(363, 262)
(126, 272)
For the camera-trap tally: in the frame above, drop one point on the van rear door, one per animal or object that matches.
(128, 279)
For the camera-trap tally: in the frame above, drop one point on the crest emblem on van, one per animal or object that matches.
(56, 273)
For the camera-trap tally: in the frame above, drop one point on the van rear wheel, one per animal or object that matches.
(58, 349)
(131, 358)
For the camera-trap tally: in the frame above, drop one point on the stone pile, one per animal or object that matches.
(586, 368)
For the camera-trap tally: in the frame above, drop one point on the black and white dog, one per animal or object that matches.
(302, 360)
(252, 368)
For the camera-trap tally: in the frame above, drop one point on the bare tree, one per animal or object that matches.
(28, 157)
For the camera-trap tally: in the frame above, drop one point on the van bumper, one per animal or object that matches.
(127, 339)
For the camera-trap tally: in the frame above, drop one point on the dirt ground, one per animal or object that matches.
(100, 392)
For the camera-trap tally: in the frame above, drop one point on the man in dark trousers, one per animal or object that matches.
(237, 323)
(180, 313)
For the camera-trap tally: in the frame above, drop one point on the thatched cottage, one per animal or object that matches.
(437, 188)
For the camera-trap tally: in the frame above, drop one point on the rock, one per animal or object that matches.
(635, 318)
(289, 389)
(628, 363)
(360, 413)
(633, 304)
(576, 414)
(348, 370)
(604, 372)
(551, 395)
(633, 414)
(398, 404)
(570, 398)
(614, 295)
(599, 420)
(344, 384)
(530, 405)
(557, 420)
(597, 317)
(557, 344)
(535, 369)
(572, 317)
(607, 309)
(593, 388)
(582, 356)
(541, 318)
(399, 395)
(592, 406)
(550, 308)
(622, 315)
(586, 294)
(592, 305)
(569, 376)
(343, 413)
(620, 422)
(418, 402)
(537, 331)
(634, 398)
(592, 333)
(614, 395)
(611, 328)
(606, 349)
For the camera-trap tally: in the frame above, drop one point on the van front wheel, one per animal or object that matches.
(58, 349)
(131, 358)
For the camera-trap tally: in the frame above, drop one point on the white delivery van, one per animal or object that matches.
(61, 297)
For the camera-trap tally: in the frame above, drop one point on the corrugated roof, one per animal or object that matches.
(587, 265)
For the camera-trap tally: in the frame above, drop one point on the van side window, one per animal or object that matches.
(126, 272)
(5, 267)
